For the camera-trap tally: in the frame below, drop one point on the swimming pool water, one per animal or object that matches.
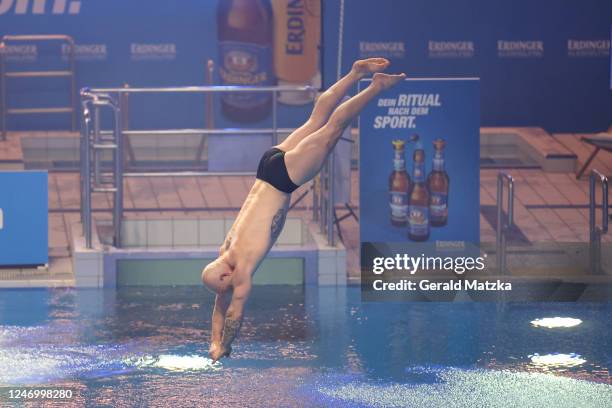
(304, 347)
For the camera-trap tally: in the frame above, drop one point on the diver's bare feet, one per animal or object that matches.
(386, 81)
(370, 66)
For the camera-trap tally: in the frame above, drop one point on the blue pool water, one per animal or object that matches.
(303, 347)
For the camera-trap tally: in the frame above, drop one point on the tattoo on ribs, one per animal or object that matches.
(277, 224)
(228, 242)
(230, 331)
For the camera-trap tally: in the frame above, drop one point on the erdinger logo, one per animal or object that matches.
(240, 61)
(40, 6)
(520, 49)
(588, 48)
(20, 52)
(149, 52)
(86, 52)
(451, 49)
(389, 49)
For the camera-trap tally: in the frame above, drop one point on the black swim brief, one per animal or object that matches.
(272, 170)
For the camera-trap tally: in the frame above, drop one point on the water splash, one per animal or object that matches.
(173, 362)
(556, 322)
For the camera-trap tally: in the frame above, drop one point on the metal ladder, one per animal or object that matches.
(503, 225)
(68, 73)
(93, 144)
(596, 231)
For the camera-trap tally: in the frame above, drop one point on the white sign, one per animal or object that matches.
(1, 219)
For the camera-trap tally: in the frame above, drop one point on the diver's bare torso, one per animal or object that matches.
(257, 226)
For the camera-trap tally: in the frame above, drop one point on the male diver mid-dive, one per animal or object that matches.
(282, 169)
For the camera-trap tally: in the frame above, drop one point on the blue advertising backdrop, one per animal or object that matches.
(541, 63)
(456, 121)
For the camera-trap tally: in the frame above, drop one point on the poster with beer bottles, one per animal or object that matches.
(266, 43)
(419, 163)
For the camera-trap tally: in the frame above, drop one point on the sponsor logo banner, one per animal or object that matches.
(450, 49)
(520, 49)
(20, 52)
(86, 52)
(385, 49)
(588, 48)
(153, 52)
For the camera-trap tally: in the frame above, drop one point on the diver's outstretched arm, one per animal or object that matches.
(232, 321)
(218, 317)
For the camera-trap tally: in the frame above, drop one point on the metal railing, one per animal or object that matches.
(94, 140)
(503, 223)
(68, 73)
(596, 231)
(92, 144)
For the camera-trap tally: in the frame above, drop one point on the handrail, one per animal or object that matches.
(596, 231)
(604, 198)
(503, 226)
(85, 176)
(209, 88)
(189, 174)
(228, 131)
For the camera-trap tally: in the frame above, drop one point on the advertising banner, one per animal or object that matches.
(421, 138)
(419, 173)
(23, 218)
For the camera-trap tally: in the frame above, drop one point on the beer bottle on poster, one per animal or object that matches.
(245, 57)
(297, 32)
(438, 184)
(399, 186)
(418, 207)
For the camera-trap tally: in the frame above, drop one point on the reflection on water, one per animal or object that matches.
(318, 345)
(556, 322)
(559, 360)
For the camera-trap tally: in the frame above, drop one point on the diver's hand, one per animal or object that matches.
(214, 351)
(217, 351)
